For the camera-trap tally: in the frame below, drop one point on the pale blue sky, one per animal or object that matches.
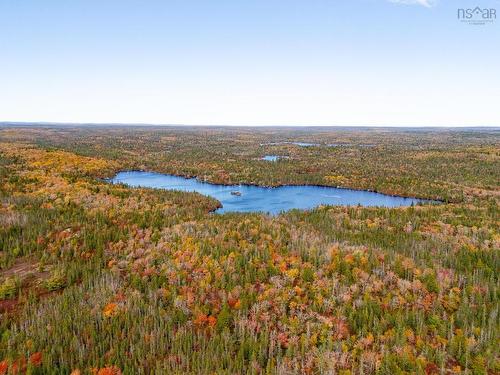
(252, 62)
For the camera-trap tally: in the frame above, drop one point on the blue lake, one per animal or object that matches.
(263, 199)
(271, 158)
(301, 144)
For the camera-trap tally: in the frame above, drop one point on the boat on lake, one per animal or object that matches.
(273, 200)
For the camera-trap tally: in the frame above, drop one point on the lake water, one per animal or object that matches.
(263, 199)
(307, 144)
(301, 144)
(271, 158)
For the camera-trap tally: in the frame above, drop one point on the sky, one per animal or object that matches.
(249, 62)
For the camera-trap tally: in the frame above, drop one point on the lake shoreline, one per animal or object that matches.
(436, 200)
(426, 201)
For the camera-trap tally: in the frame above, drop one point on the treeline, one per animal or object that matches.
(101, 278)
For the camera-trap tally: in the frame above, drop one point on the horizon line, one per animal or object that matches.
(142, 124)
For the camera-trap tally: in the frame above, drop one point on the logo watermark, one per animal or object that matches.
(477, 15)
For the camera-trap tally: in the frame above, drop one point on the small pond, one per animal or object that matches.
(245, 198)
(301, 144)
(271, 158)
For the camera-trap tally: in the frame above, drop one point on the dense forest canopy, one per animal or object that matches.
(107, 279)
